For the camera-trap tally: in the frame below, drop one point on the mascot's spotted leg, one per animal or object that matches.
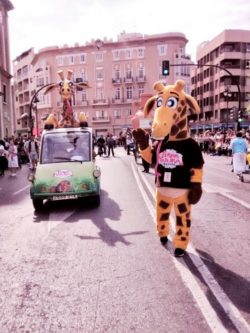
(178, 160)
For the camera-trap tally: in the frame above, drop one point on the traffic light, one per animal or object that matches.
(240, 115)
(165, 67)
(232, 114)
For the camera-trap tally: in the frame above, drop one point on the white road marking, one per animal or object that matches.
(207, 310)
(21, 190)
(57, 218)
(225, 192)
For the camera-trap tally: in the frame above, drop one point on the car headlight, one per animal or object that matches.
(97, 173)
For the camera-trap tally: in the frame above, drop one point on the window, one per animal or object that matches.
(4, 93)
(99, 74)
(141, 70)
(140, 53)
(82, 58)
(117, 114)
(117, 93)
(58, 148)
(99, 93)
(100, 114)
(128, 71)
(162, 50)
(59, 61)
(116, 55)
(129, 92)
(117, 73)
(71, 60)
(84, 95)
(99, 57)
(128, 53)
(140, 89)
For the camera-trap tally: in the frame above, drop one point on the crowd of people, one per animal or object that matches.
(217, 142)
(14, 152)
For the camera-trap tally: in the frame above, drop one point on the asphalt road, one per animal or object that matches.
(78, 269)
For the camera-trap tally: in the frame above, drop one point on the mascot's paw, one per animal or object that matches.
(179, 252)
(195, 193)
(141, 137)
(163, 240)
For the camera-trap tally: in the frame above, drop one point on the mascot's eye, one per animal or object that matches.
(172, 102)
(71, 84)
(61, 84)
(159, 102)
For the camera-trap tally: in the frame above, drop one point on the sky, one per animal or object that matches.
(42, 23)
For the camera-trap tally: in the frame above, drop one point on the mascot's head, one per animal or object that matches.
(171, 106)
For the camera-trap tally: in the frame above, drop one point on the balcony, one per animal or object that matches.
(101, 101)
(141, 79)
(82, 103)
(101, 120)
(117, 80)
(128, 80)
(118, 100)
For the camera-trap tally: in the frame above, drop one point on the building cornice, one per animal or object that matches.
(5, 73)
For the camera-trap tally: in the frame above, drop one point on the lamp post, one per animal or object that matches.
(36, 100)
(227, 94)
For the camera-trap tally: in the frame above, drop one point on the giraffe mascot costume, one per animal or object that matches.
(178, 160)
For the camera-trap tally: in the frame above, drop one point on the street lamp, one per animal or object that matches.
(227, 94)
(35, 101)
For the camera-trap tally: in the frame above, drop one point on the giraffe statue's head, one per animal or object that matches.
(66, 85)
(172, 107)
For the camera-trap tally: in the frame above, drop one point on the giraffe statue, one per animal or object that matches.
(178, 160)
(66, 90)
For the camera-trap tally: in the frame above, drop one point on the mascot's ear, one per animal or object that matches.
(193, 105)
(149, 106)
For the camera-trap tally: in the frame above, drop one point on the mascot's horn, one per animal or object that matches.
(61, 74)
(69, 75)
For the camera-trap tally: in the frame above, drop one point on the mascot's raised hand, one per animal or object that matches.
(141, 137)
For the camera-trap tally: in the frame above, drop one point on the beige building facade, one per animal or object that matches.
(120, 75)
(6, 106)
(221, 81)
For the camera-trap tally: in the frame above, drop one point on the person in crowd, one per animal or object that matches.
(31, 148)
(12, 158)
(129, 142)
(101, 144)
(3, 160)
(239, 152)
(110, 143)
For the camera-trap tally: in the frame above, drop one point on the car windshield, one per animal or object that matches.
(64, 147)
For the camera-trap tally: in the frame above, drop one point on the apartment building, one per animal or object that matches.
(120, 74)
(221, 81)
(6, 105)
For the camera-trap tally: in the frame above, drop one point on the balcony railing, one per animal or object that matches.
(101, 101)
(128, 79)
(141, 78)
(101, 119)
(117, 80)
(82, 103)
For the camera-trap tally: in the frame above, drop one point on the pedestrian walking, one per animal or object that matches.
(239, 152)
(12, 158)
(110, 143)
(31, 148)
